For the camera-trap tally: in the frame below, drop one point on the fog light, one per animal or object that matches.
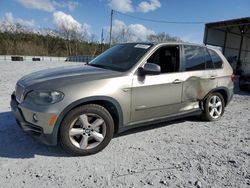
(35, 118)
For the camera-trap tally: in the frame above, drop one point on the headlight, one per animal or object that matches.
(44, 97)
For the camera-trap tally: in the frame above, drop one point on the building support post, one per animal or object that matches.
(224, 44)
(238, 67)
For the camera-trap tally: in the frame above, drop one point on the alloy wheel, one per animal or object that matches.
(215, 107)
(87, 131)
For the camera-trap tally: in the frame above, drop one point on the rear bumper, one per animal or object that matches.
(33, 130)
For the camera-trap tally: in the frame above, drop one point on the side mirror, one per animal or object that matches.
(150, 69)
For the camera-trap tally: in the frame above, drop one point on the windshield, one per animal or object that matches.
(121, 57)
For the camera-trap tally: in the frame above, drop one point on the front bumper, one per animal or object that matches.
(35, 131)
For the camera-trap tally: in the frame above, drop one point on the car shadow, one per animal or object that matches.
(14, 143)
(150, 127)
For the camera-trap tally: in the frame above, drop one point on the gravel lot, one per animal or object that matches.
(183, 153)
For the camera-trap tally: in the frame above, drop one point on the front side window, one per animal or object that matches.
(216, 59)
(167, 58)
(194, 58)
(121, 57)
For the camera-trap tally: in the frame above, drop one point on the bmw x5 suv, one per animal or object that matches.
(129, 85)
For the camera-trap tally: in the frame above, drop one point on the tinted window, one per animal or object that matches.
(208, 59)
(215, 58)
(194, 58)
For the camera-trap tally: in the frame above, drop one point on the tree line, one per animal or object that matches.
(16, 39)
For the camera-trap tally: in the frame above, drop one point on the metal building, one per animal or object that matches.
(233, 36)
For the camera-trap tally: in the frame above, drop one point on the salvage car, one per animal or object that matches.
(129, 85)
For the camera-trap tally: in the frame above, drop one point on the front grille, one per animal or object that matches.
(19, 92)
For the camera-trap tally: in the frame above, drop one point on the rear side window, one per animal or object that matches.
(194, 58)
(216, 59)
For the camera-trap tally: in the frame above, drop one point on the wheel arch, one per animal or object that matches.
(223, 91)
(109, 103)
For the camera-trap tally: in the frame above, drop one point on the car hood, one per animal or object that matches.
(68, 74)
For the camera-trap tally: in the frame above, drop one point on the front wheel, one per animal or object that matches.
(213, 107)
(86, 130)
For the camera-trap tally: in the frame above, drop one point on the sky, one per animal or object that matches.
(91, 16)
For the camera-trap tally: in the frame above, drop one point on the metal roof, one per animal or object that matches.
(239, 26)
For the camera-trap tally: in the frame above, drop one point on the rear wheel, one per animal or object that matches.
(86, 130)
(213, 107)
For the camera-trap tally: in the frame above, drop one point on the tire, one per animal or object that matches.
(86, 130)
(214, 107)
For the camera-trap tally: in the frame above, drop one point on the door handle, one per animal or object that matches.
(212, 77)
(177, 81)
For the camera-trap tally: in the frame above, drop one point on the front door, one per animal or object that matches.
(155, 96)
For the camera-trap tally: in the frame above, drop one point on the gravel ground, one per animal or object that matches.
(183, 153)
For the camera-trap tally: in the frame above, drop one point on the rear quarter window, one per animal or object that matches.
(217, 61)
(208, 59)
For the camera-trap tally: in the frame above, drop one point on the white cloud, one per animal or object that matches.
(147, 6)
(45, 5)
(139, 32)
(130, 33)
(66, 21)
(193, 38)
(28, 23)
(48, 5)
(9, 17)
(15, 25)
(11, 20)
(121, 5)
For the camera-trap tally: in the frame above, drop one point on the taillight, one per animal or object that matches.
(232, 77)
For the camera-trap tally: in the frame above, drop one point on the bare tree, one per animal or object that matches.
(72, 35)
(15, 28)
(162, 37)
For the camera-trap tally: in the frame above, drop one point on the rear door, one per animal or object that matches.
(198, 74)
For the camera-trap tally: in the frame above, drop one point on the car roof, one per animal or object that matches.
(175, 43)
(166, 43)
